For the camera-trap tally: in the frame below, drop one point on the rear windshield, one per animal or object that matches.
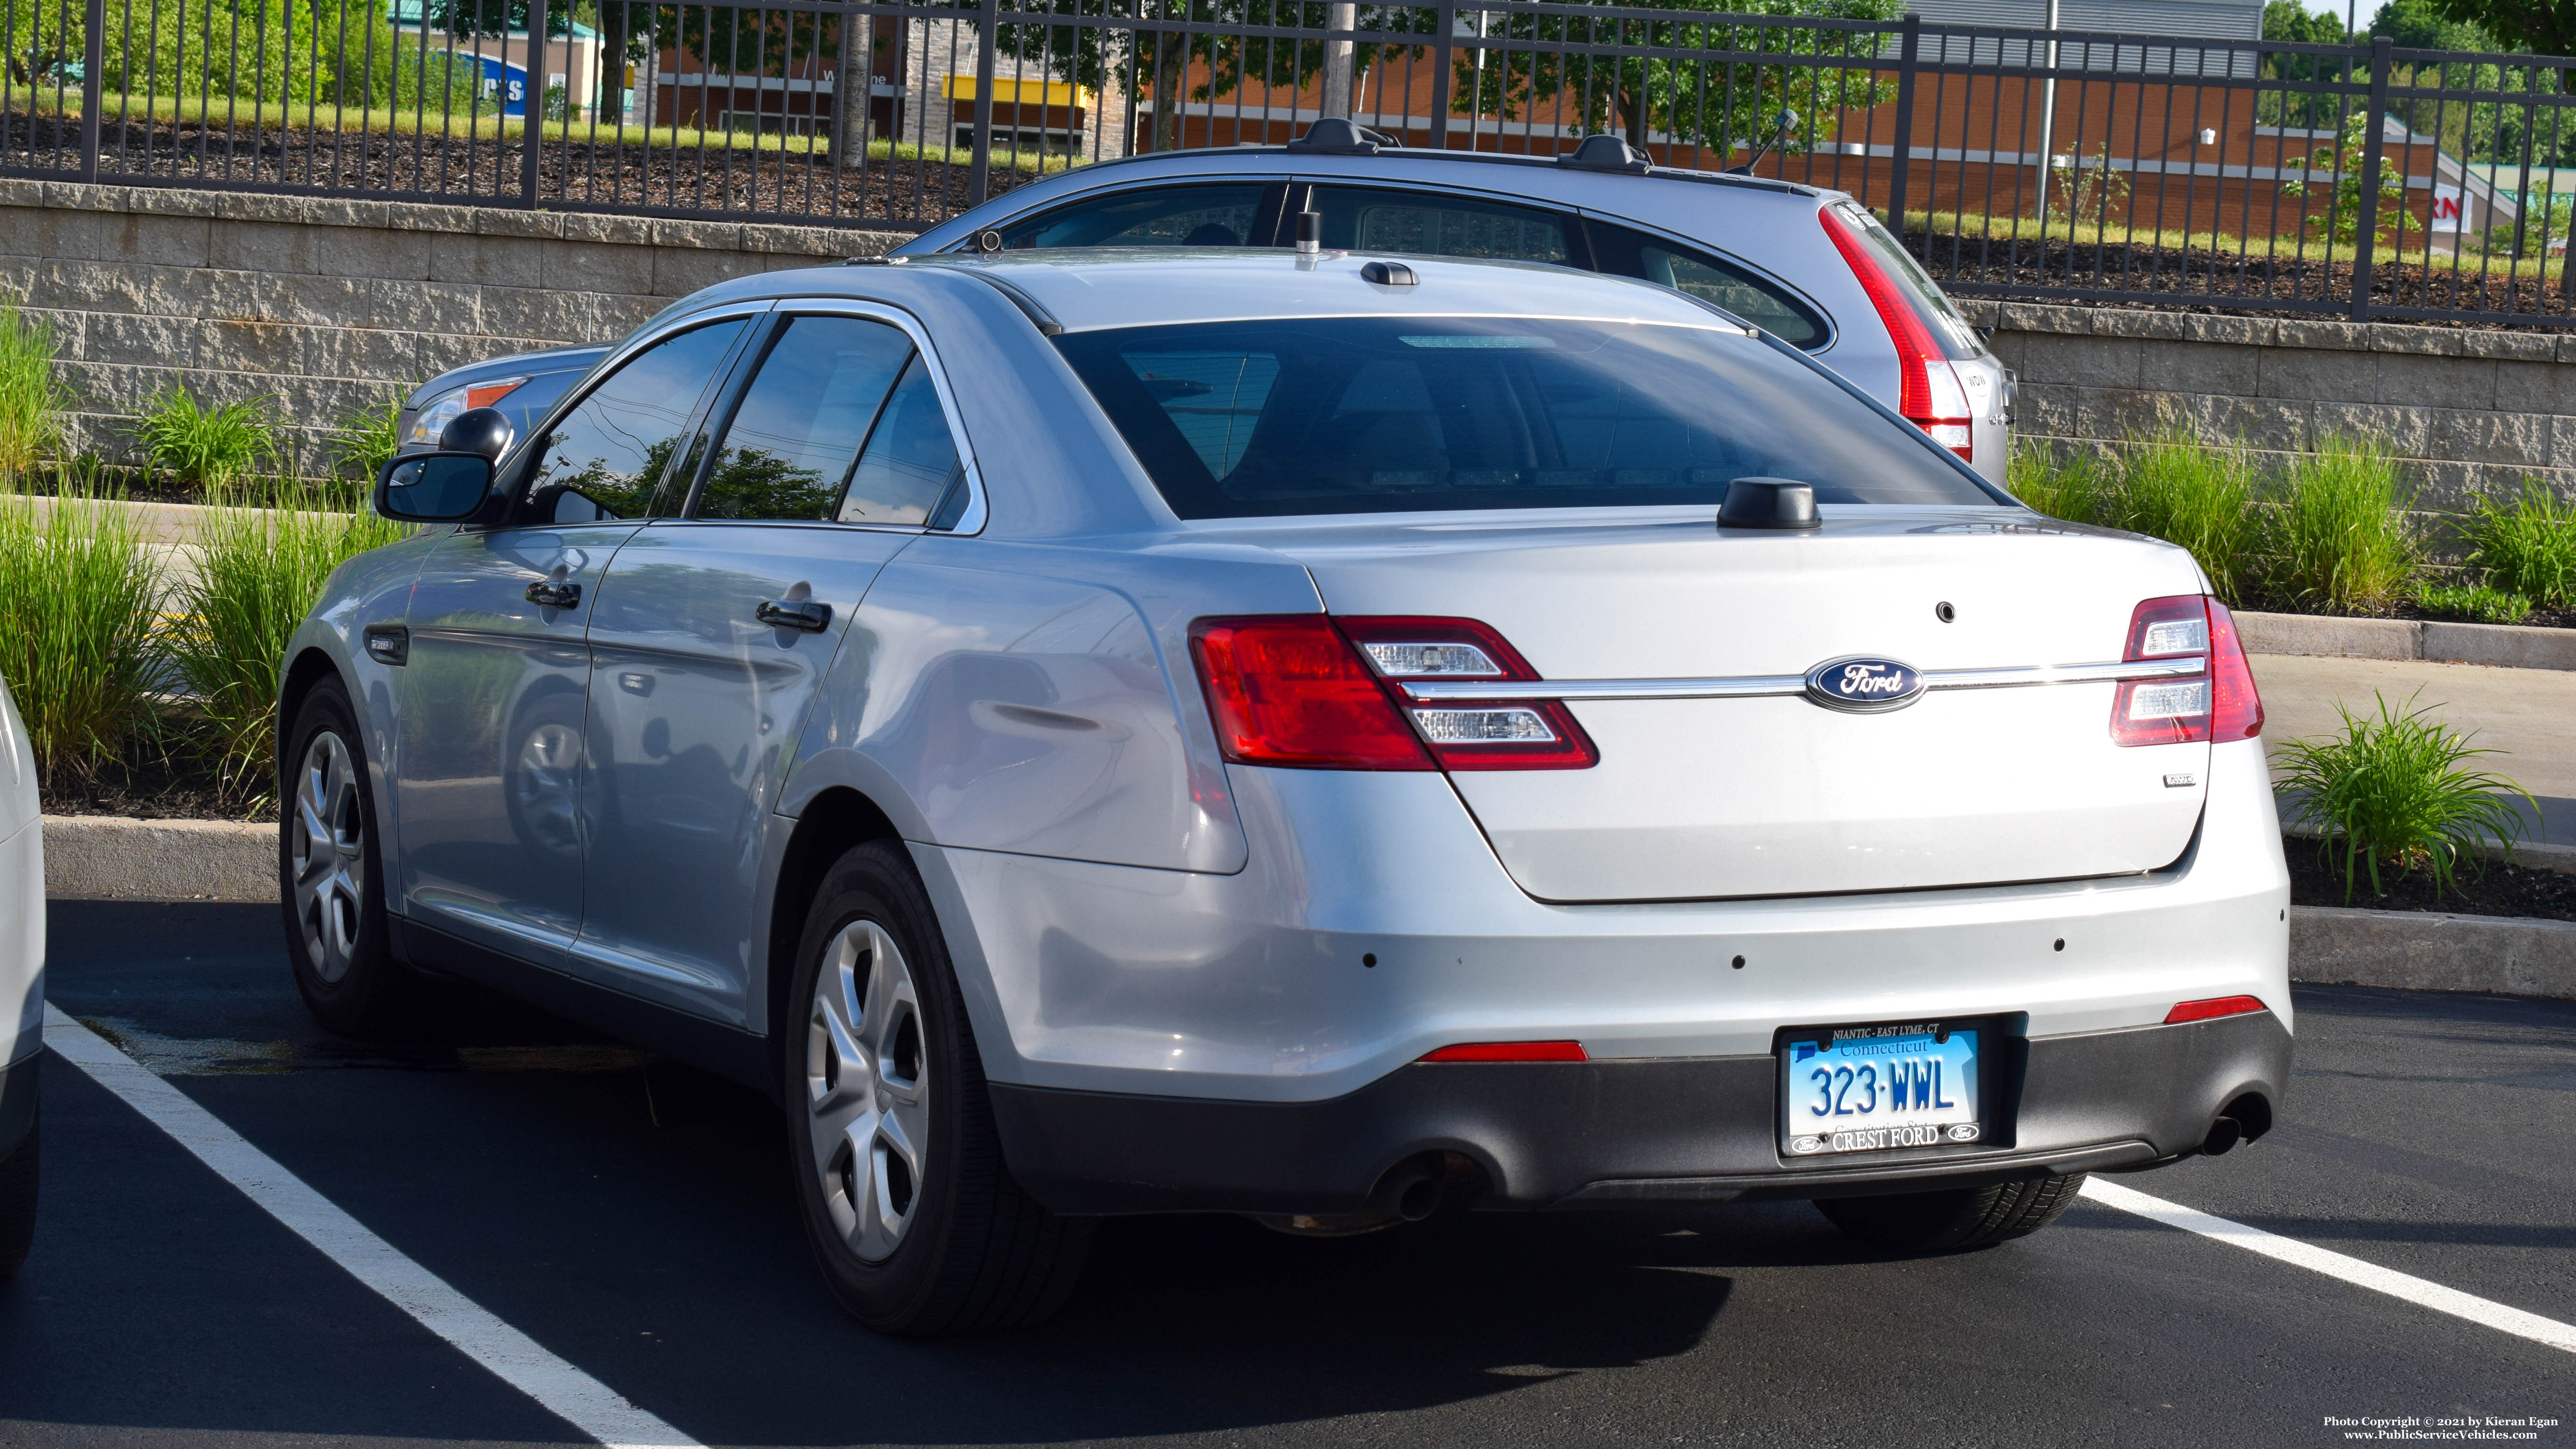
(1410, 414)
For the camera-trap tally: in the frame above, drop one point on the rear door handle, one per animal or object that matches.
(549, 595)
(803, 614)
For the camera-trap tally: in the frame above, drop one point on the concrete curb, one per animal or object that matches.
(2428, 951)
(111, 858)
(2503, 646)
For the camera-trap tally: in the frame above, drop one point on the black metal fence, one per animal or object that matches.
(2357, 181)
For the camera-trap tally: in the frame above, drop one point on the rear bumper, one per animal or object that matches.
(1617, 1133)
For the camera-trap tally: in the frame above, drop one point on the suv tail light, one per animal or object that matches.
(1313, 692)
(1928, 391)
(2219, 703)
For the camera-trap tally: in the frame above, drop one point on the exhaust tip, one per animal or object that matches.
(2223, 1136)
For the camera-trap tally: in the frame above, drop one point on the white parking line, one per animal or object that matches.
(583, 1401)
(2418, 1291)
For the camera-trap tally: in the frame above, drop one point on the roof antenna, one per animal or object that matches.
(1781, 125)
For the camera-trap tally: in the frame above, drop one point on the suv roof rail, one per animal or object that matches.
(1335, 136)
(1606, 152)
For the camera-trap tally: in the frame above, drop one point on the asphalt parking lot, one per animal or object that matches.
(633, 1218)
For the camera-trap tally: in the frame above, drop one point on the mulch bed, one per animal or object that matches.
(2536, 619)
(2481, 888)
(792, 187)
(2208, 280)
(155, 786)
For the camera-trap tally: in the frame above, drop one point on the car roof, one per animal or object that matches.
(1085, 289)
(1537, 179)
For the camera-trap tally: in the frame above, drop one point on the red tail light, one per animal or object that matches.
(1511, 1051)
(2218, 703)
(1290, 690)
(1479, 734)
(1313, 692)
(2214, 1007)
(1928, 392)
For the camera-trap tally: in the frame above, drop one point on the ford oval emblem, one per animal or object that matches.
(1864, 685)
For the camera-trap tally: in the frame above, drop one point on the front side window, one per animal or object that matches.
(1173, 216)
(1380, 414)
(793, 439)
(1430, 223)
(614, 448)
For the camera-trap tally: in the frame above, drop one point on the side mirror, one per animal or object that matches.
(434, 487)
(477, 430)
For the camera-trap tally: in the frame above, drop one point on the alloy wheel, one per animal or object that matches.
(867, 1089)
(327, 838)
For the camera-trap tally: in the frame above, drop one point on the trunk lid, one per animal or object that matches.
(1767, 796)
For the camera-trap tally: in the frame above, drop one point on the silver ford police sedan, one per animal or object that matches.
(1317, 736)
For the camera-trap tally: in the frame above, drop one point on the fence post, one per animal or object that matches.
(2373, 155)
(93, 65)
(979, 177)
(532, 110)
(1902, 153)
(1444, 52)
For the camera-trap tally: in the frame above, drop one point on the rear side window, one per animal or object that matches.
(911, 462)
(1375, 414)
(1430, 223)
(797, 431)
(1958, 340)
(1740, 290)
(1175, 216)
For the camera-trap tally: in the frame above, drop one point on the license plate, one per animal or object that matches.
(1876, 1088)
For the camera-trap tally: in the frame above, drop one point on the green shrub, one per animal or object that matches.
(2182, 490)
(367, 439)
(32, 399)
(80, 591)
(259, 569)
(2072, 486)
(2477, 603)
(2396, 791)
(2529, 547)
(2340, 543)
(209, 447)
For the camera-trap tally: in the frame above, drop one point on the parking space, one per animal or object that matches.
(633, 1218)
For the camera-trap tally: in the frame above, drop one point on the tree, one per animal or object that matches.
(2453, 25)
(1711, 103)
(2289, 20)
(2342, 217)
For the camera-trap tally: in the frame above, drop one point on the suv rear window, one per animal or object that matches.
(1409, 414)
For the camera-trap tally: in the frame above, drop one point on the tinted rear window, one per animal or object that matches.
(1379, 415)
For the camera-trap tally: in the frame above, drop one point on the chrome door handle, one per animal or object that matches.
(548, 595)
(803, 614)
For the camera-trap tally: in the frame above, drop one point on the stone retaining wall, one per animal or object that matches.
(334, 305)
(2472, 411)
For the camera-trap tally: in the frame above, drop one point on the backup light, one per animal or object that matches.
(2220, 704)
(2213, 1008)
(1308, 691)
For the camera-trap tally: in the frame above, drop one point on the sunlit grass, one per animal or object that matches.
(2114, 237)
(2396, 791)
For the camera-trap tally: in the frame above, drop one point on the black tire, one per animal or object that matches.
(339, 947)
(17, 1205)
(972, 1252)
(1968, 1217)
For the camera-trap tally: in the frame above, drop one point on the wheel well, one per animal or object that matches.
(832, 823)
(308, 669)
